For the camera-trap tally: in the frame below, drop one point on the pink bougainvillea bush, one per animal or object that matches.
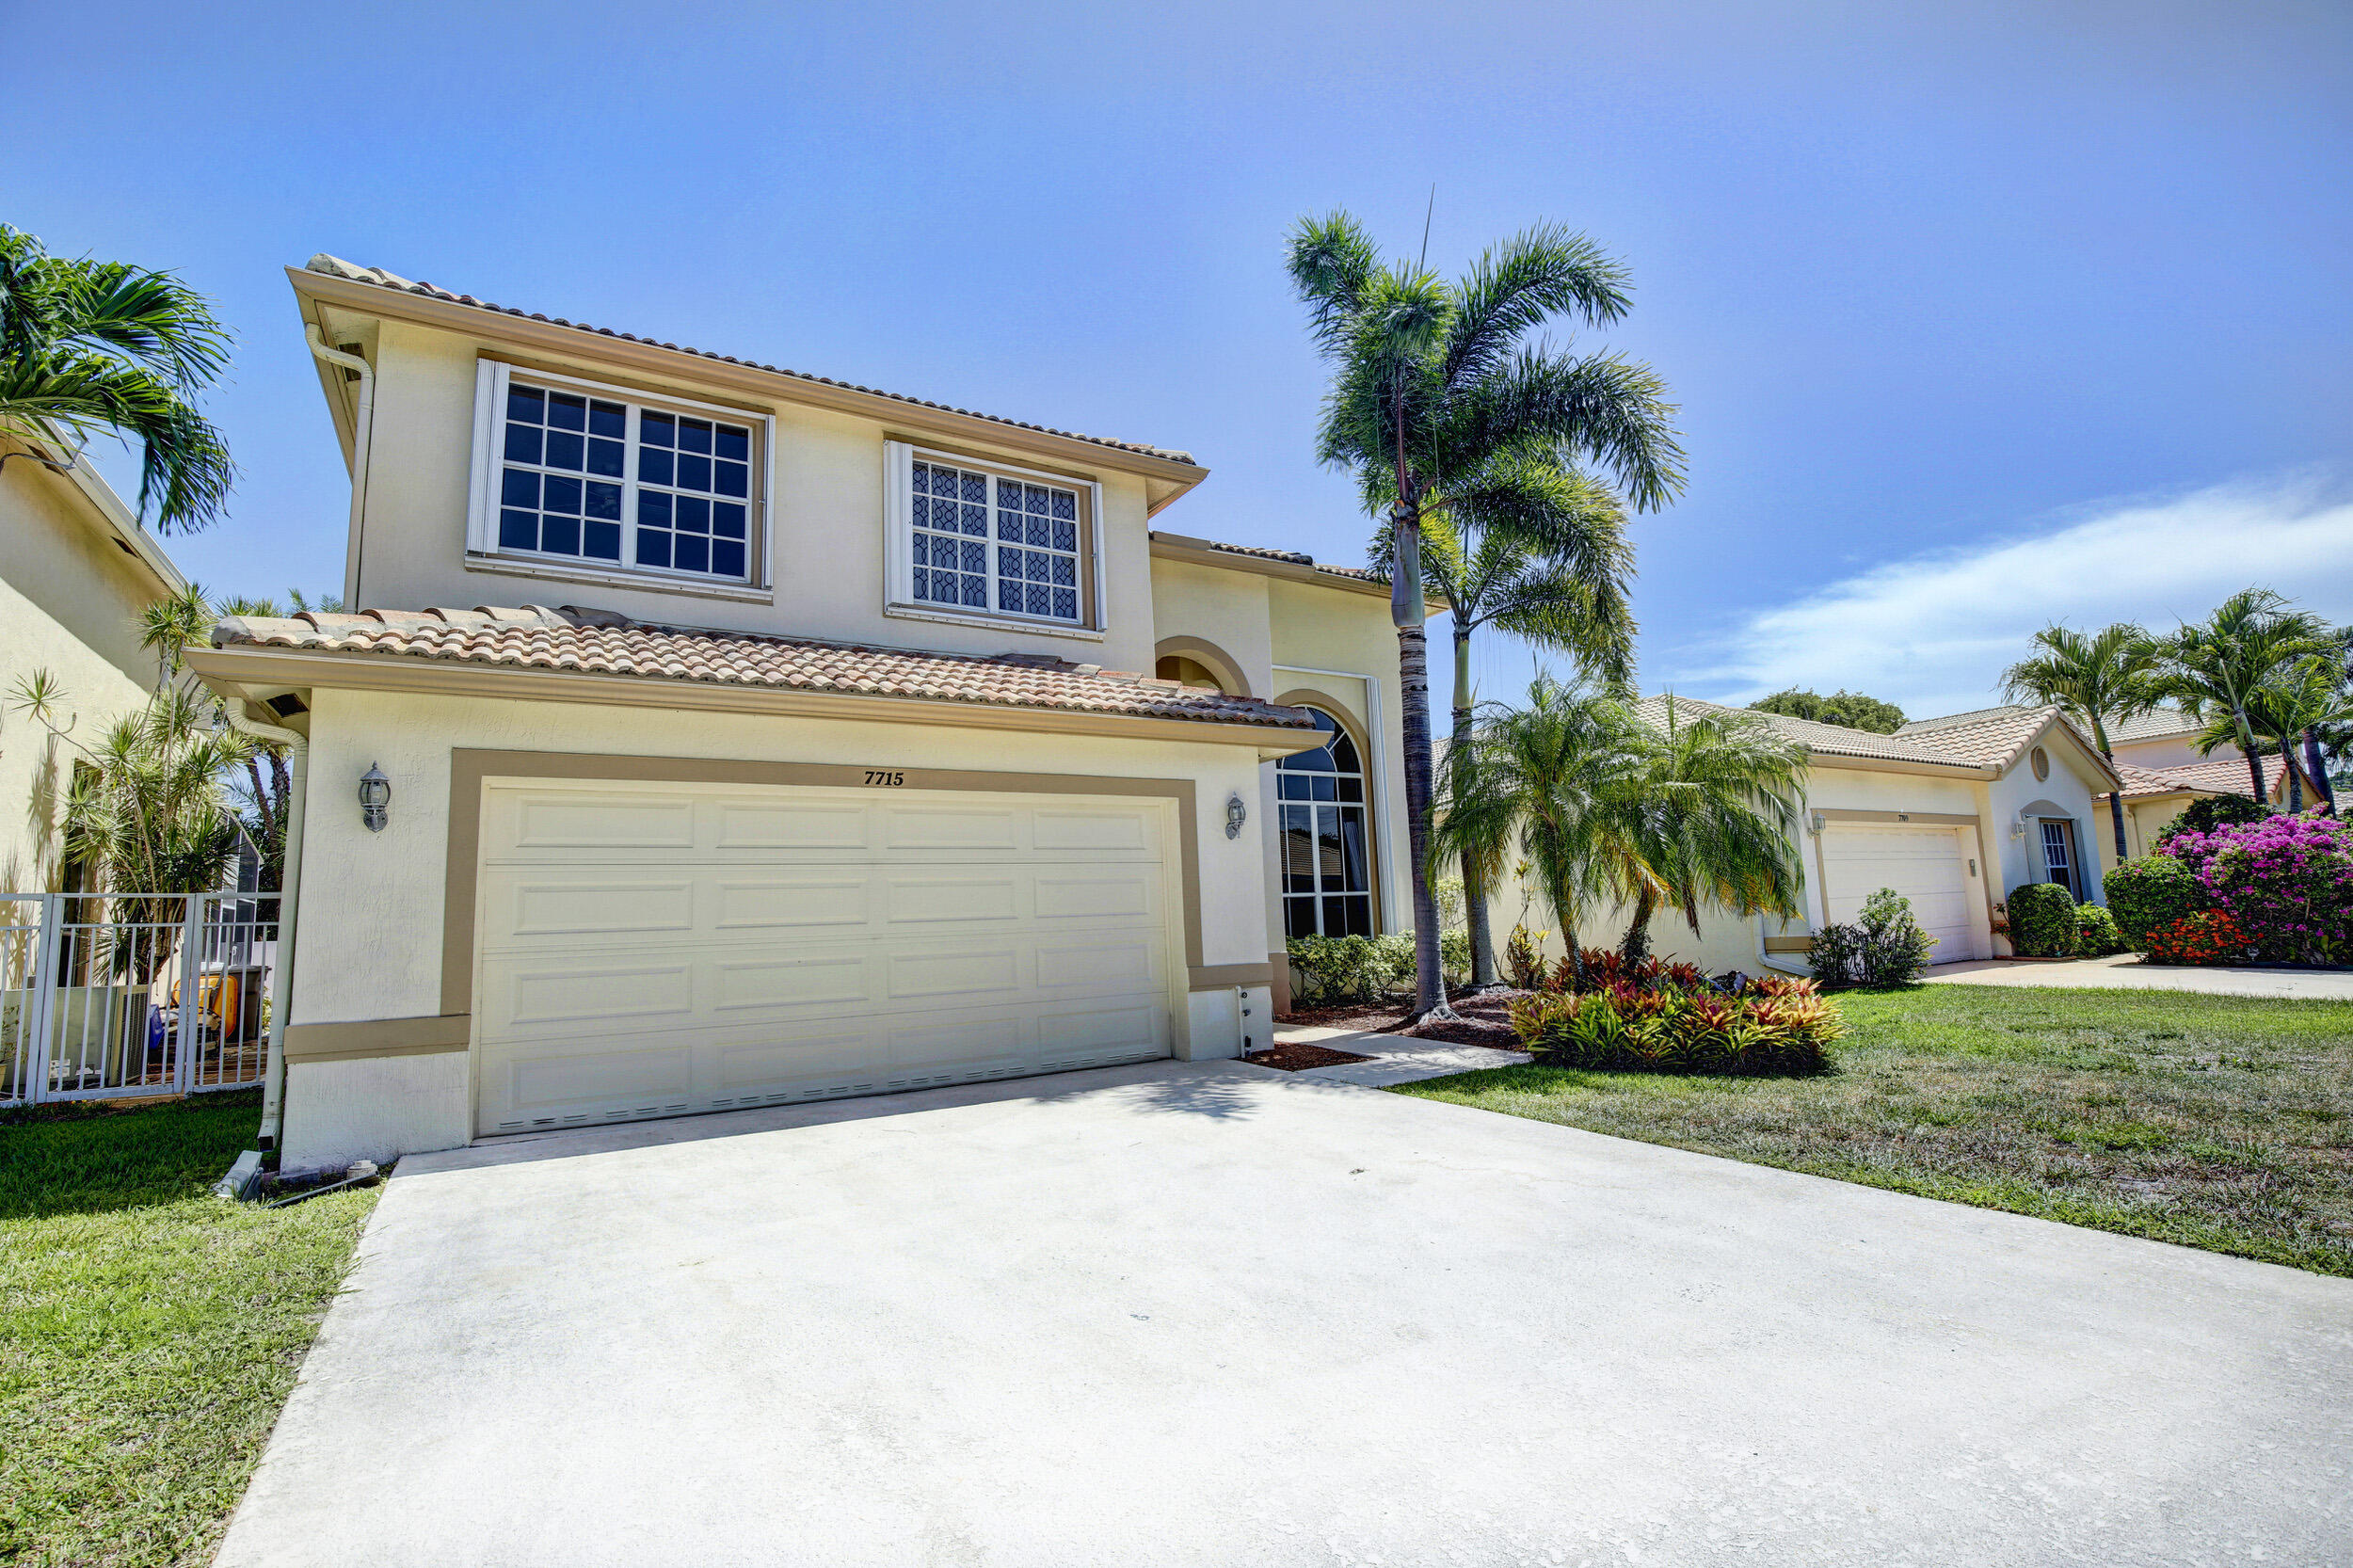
(2287, 880)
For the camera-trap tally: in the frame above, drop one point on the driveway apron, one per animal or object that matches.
(1206, 1313)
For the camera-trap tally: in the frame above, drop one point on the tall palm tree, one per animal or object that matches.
(2218, 668)
(1535, 784)
(90, 347)
(1536, 548)
(2301, 699)
(1435, 382)
(2098, 679)
(1707, 816)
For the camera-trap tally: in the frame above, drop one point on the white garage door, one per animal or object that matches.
(1927, 865)
(657, 950)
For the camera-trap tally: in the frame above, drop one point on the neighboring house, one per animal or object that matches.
(2153, 797)
(76, 573)
(1952, 813)
(2164, 738)
(754, 737)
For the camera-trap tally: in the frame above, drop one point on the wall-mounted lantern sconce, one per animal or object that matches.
(1236, 814)
(1816, 821)
(376, 798)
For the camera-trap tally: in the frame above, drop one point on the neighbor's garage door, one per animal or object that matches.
(1927, 865)
(656, 950)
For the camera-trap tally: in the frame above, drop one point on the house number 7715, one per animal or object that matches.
(888, 780)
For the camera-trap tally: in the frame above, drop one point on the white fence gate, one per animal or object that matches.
(104, 997)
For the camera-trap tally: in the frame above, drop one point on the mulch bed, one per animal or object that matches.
(1482, 1022)
(1297, 1058)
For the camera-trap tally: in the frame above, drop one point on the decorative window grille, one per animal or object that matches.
(2059, 862)
(990, 543)
(1327, 873)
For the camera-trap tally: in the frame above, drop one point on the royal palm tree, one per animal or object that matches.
(1707, 816)
(2218, 668)
(1535, 548)
(2098, 679)
(90, 347)
(2301, 699)
(1435, 383)
(1538, 784)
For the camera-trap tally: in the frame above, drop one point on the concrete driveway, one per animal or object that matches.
(2125, 971)
(1209, 1314)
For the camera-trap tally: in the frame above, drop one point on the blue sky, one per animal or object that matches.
(1979, 315)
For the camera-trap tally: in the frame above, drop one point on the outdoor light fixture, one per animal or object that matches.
(1236, 814)
(376, 798)
(1816, 823)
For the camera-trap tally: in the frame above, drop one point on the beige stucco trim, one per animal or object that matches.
(1218, 977)
(1170, 478)
(280, 669)
(1212, 657)
(469, 767)
(374, 1037)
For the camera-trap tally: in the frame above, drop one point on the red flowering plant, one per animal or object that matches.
(2207, 936)
(2287, 883)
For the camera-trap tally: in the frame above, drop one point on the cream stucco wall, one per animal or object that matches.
(826, 548)
(373, 902)
(69, 603)
(2170, 751)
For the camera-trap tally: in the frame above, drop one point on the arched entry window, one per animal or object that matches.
(1327, 876)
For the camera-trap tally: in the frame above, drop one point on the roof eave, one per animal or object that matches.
(1201, 553)
(1836, 759)
(242, 673)
(317, 288)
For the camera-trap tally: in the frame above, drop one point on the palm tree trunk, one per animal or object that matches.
(1636, 945)
(2294, 774)
(1482, 943)
(2116, 809)
(2254, 763)
(2316, 765)
(1413, 669)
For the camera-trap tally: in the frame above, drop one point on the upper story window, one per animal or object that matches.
(614, 480)
(975, 539)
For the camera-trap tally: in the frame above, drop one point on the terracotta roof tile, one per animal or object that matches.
(599, 641)
(2219, 776)
(335, 267)
(1990, 738)
(1832, 740)
(1297, 558)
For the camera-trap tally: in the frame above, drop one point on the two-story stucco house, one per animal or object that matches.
(752, 737)
(76, 574)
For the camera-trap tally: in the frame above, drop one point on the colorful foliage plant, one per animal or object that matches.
(1660, 1021)
(2204, 937)
(2286, 883)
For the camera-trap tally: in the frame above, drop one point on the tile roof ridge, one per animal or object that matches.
(328, 265)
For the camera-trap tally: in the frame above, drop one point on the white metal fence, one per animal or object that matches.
(104, 997)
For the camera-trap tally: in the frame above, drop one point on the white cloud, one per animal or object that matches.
(1934, 634)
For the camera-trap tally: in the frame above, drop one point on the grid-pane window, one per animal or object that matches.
(2058, 861)
(1327, 874)
(604, 480)
(988, 542)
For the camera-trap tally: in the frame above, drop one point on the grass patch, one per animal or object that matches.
(2216, 1122)
(148, 1330)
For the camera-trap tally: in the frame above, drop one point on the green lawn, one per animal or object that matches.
(2216, 1122)
(148, 1330)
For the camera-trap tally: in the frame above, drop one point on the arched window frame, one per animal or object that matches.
(1326, 844)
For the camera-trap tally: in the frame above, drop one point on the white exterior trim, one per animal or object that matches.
(899, 600)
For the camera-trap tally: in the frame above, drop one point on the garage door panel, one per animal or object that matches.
(1926, 865)
(649, 951)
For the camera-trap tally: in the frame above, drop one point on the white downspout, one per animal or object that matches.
(362, 437)
(290, 880)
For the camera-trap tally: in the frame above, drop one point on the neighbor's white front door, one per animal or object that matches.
(1927, 865)
(660, 949)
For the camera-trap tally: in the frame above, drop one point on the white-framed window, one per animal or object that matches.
(973, 540)
(2058, 854)
(607, 479)
(1327, 868)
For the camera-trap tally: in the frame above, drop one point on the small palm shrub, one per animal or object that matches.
(1524, 958)
(1884, 946)
(2152, 891)
(2096, 934)
(2204, 937)
(1781, 1029)
(2041, 920)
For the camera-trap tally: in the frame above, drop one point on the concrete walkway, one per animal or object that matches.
(1208, 1313)
(2125, 971)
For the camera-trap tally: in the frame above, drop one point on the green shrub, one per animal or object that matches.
(2041, 920)
(1884, 946)
(1454, 957)
(1392, 965)
(1774, 1026)
(2153, 891)
(2208, 812)
(2096, 934)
